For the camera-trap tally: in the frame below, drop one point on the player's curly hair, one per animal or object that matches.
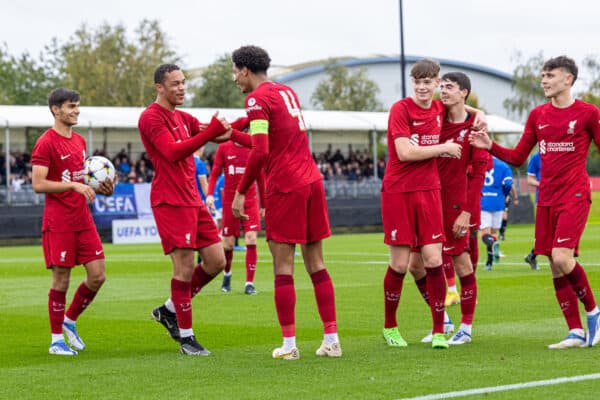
(254, 58)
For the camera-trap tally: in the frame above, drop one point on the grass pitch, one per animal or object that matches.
(129, 356)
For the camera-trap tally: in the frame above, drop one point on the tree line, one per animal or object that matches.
(111, 69)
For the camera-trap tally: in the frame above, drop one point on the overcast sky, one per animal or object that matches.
(485, 32)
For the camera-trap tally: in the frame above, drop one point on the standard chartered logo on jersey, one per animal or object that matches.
(556, 147)
(66, 176)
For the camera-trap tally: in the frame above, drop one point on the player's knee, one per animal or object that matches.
(95, 281)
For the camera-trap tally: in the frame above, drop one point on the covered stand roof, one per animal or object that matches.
(127, 118)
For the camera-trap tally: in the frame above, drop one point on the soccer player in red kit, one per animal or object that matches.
(458, 194)
(69, 236)
(410, 198)
(563, 129)
(296, 210)
(231, 158)
(170, 137)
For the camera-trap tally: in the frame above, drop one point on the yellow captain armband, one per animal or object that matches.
(259, 126)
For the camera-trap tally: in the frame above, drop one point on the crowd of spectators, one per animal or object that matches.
(358, 165)
(334, 166)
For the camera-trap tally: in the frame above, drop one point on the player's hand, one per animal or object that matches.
(107, 187)
(210, 203)
(85, 190)
(238, 206)
(480, 122)
(452, 149)
(223, 137)
(516, 201)
(262, 213)
(480, 139)
(223, 121)
(461, 225)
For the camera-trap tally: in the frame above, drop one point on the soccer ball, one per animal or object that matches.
(97, 169)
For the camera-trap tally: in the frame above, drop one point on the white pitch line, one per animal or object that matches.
(516, 386)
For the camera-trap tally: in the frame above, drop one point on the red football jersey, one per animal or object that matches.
(174, 182)
(453, 171)
(231, 159)
(564, 136)
(289, 164)
(422, 127)
(64, 158)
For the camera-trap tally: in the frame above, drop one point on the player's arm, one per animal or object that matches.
(41, 184)
(409, 152)
(163, 140)
(259, 130)
(480, 122)
(237, 134)
(215, 172)
(532, 180)
(260, 180)
(476, 179)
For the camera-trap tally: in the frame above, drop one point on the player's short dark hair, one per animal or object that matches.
(461, 79)
(59, 96)
(563, 62)
(425, 68)
(163, 70)
(254, 58)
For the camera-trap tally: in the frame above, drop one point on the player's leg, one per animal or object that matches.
(251, 258)
(91, 254)
(59, 256)
(285, 298)
(487, 238)
(417, 270)
(181, 298)
(392, 290)
(228, 243)
(452, 296)
(312, 254)
(436, 288)
(56, 311)
(468, 298)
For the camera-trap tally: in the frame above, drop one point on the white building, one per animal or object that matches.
(490, 85)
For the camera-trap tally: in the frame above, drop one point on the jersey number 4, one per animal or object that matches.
(292, 106)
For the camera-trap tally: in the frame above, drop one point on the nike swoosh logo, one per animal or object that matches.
(559, 240)
(415, 123)
(65, 157)
(98, 252)
(447, 248)
(540, 127)
(253, 226)
(230, 157)
(439, 235)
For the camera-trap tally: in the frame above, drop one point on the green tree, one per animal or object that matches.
(342, 90)
(592, 93)
(24, 80)
(526, 85)
(217, 88)
(108, 68)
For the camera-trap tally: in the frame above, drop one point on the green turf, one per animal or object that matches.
(128, 356)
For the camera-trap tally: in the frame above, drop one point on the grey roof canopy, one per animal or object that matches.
(127, 118)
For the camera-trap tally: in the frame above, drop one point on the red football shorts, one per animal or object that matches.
(299, 216)
(560, 226)
(413, 218)
(231, 225)
(185, 227)
(67, 249)
(454, 246)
